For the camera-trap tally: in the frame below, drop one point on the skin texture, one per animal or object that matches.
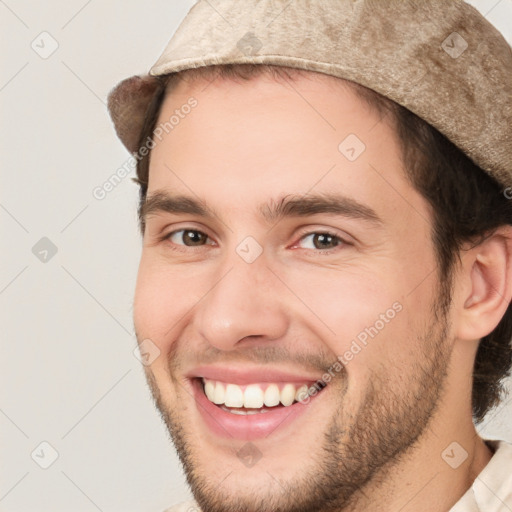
(373, 438)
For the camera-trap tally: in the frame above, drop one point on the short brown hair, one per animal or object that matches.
(466, 203)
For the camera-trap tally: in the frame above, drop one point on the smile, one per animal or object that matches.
(254, 406)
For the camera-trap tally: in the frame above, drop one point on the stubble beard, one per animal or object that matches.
(355, 454)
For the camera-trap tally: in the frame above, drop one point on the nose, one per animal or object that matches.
(244, 302)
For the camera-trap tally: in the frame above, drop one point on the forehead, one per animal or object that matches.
(247, 140)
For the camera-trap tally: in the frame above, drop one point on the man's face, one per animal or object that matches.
(316, 259)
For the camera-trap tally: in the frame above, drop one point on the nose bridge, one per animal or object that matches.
(242, 302)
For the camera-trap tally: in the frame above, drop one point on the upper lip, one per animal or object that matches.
(243, 375)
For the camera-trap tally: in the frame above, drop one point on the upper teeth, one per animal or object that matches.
(253, 395)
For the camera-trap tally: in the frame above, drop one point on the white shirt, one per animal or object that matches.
(490, 492)
(492, 489)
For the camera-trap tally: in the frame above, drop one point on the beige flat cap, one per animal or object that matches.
(441, 59)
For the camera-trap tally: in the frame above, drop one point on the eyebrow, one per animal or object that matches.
(272, 211)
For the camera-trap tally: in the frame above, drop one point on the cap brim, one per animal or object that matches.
(127, 104)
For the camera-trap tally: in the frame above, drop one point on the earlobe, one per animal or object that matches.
(488, 274)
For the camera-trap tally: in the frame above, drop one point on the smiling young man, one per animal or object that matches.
(327, 252)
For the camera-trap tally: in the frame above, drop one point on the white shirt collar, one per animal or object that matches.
(492, 489)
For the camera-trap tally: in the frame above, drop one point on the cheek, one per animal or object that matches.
(160, 302)
(155, 308)
(345, 301)
(165, 298)
(366, 320)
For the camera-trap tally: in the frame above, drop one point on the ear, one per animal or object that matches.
(484, 285)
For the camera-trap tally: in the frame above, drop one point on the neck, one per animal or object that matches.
(434, 473)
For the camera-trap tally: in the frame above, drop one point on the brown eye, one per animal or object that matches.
(325, 241)
(188, 237)
(320, 241)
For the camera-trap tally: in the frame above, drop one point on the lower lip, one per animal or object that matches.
(246, 427)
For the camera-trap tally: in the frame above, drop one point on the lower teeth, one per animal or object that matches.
(244, 412)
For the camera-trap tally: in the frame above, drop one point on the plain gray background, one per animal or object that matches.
(69, 376)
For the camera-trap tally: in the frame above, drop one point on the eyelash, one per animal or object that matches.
(183, 248)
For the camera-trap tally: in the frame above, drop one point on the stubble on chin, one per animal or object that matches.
(355, 452)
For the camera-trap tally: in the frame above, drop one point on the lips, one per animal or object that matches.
(249, 404)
